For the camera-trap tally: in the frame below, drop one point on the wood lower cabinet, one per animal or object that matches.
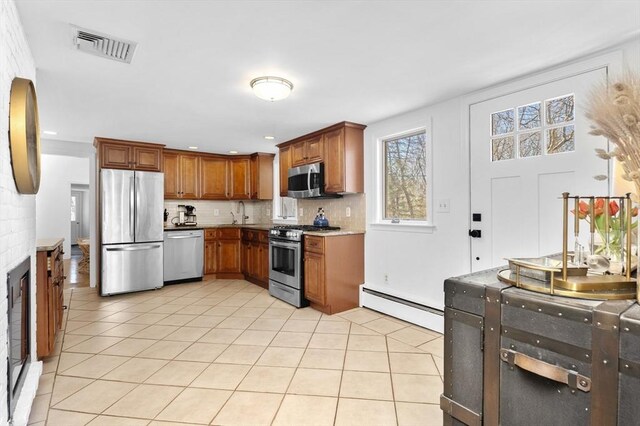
(49, 296)
(333, 271)
(222, 252)
(255, 256)
(129, 155)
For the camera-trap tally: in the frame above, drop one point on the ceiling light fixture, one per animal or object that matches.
(271, 88)
(193, 147)
(49, 132)
(269, 138)
(233, 152)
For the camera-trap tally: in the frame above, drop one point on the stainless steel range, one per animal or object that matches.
(286, 266)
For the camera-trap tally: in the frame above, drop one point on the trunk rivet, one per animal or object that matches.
(626, 329)
(605, 362)
(615, 327)
(626, 366)
(573, 391)
(598, 323)
(539, 309)
(583, 383)
(559, 314)
(586, 320)
(522, 306)
(537, 341)
(587, 355)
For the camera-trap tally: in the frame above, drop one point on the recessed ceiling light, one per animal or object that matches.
(193, 147)
(271, 88)
(49, 132)
(269, 138)
(233, 152)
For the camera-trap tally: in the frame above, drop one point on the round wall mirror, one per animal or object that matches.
(24, 136)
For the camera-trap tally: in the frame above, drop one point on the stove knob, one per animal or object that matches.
(288, 233)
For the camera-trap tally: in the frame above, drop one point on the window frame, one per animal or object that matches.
(406, 225)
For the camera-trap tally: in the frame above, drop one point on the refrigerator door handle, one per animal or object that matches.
(134, 248)
(131, 206)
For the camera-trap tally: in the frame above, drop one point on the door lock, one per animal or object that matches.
(475, 233)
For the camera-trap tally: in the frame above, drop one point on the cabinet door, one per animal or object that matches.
(298, 156)
(148, 159)
(314, 150)
(189, 176)
(256, 261)
(210, 248)
(115, 156)
(171, 176)
(213, 178)
(285, 165)
(228, 256)
(254, 180)
(334, 161)
(263, 252)
(245, 256)
(240, 169)
(314, 277)
(51, 313)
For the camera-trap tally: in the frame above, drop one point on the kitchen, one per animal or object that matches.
(225, 156)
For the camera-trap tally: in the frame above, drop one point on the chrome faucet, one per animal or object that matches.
(234, 219)
(244, 216)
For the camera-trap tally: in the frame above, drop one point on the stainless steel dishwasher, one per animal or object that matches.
(183, 255)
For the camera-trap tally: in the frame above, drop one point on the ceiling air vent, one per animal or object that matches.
(103, 45)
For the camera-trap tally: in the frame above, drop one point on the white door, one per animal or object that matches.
(76, 216)
(527, 148)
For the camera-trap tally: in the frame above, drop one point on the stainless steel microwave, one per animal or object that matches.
(306, 181)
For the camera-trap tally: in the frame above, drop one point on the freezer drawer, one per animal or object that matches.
(131, 267)
(183, 255)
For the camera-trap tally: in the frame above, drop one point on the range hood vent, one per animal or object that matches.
(103, 45)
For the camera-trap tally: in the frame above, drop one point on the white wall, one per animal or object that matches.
(17, 212)
(416, 264)
(53, 203)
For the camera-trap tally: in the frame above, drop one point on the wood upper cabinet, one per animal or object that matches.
(239, 179)
(334, 175)
(189, 175)
(285, 165)
(120, 154)
(181, 175)
(340, 147)
(307, 151)
(262, 176)
(213, 177)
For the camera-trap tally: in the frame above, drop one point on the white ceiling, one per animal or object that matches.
(188, 83)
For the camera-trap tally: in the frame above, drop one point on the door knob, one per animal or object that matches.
(475, 233)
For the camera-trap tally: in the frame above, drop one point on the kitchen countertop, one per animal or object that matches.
(333, 233)
(259, 226)
(46, 244)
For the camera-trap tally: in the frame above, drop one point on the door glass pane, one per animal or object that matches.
(283, 260)
(560, 110)
(73, 208)
(560, 139)
(502, 149)
(502, 122)
(530, 144)
(529, 116)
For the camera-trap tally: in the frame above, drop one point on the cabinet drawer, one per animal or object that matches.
(263, 236)
(229, 233)
(314, 244)
(210, 234)
(249, 235)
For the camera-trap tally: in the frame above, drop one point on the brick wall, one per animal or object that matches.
(17, 212)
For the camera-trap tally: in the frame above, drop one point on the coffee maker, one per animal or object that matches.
(186, 215)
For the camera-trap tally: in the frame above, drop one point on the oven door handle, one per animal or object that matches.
(284, 245)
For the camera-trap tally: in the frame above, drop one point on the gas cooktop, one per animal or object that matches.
(307, 228)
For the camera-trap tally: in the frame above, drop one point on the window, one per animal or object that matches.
(73, 208)
(525, 126)
(404, 174)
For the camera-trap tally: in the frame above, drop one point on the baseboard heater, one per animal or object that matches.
(406, 310)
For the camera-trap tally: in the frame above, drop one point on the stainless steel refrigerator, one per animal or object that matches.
(132, 230)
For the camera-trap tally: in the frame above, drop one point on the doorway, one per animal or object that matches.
(526, 149)
(79, 215)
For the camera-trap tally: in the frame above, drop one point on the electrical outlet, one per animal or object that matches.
(216, 212)
(443, 205)
(386, 278)
(301, 212)
(348, 212)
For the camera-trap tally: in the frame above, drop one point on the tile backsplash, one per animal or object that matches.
(335, 210)
(205, 211)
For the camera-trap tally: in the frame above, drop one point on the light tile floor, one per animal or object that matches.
(225, 352)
